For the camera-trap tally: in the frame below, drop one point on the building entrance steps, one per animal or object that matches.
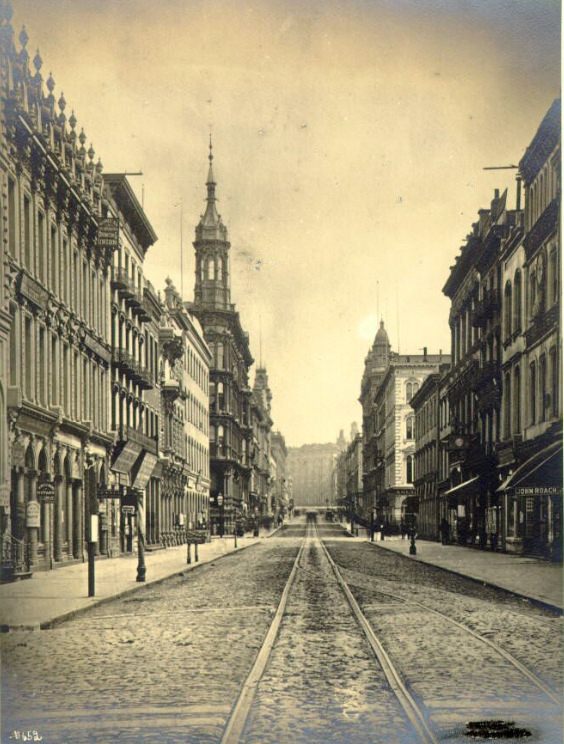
(530, 578)
(52, 596)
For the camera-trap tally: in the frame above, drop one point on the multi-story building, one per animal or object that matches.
(312, 467)
(354, 495)
(429, 452)
(230, 395)
(474, 381)
(530, 455)
(184, 445)
(279, 454)
(56, 284)
(135, 389)
(260, 498)
(389, 382)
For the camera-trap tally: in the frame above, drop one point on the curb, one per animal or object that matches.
(556, 609)
(59, 619)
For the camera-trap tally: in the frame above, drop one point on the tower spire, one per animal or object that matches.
(211, 218)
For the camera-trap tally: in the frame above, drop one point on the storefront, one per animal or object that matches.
(532, 502)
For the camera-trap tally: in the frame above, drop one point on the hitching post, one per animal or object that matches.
(141, 568)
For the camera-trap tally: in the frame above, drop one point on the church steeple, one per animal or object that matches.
(212, 251)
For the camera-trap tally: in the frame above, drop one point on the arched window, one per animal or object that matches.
(219, 269)
(507, 309)
(532, 293)
(409, 427)
(409, 469)
(517, 301)
(219, 355)
(554, 381)
(553, 277)
(542, 387)
(410, 389)
(532, 393)
(517, 400)
(507, 404)
(211, 269)
(220, 396)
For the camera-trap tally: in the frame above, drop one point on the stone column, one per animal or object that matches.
(67, 494)
(58, 526)
(33, 532)
(78, 530)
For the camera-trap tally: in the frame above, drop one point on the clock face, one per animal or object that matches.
(459, 442)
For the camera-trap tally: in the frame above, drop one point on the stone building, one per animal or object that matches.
(55, 299)
(474, 381)
(429, 452)
(260, 502)
(389, 382)
(312, 468)
(354, 493)
(135, 389)
(230, 394)
(280, 494)
(530, 450)
(184, 444)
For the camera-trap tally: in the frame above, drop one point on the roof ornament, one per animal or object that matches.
(37, 61)
(6, 12)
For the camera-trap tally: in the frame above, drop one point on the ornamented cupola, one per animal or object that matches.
(212, 288)
(381, 349)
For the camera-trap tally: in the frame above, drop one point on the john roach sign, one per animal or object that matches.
(108, 233)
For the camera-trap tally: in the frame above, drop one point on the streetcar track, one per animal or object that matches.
(531, 676)
(236, 723)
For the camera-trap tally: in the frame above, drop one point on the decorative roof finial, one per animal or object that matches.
(50, 83)
(37, 61)
(6, 12)
(210, 156)
(23, 37)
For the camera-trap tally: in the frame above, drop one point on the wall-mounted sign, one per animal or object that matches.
(33, 291)
(33, 514)
(108, 233)
(538, 491)
(128, 510)
(46, 492)
(196, 536)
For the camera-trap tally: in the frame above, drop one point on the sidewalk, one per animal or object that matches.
(533, 579)
(50, 596)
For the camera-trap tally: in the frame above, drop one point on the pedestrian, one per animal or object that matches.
(444, 530)
(403, 530)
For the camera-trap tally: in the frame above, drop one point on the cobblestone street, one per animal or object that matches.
(168, 663)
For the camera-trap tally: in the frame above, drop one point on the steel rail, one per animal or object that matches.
(548, 691)
(412, 710)
(236, 724)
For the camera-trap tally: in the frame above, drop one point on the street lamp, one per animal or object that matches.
(141, 568)
(221, 513)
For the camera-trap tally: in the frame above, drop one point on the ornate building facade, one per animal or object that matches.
(230, 394)
(56, 298)
(312, 468)
(260, 503)
(184, 445)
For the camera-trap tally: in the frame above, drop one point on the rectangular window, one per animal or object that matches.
(65, 273)
(42, 368)
(66, 385)
(12, 217)
(53, 261)
(28, 363)
(41, 257)
(54, 381)
(28, 256)
(14, 349)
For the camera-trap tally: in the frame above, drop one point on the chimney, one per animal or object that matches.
(424, 353)
(496, 193)
(518, 197)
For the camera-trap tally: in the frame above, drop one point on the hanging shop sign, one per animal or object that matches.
(46, 492)
(145, 471)
(108, 233)
(33, 514)
(128, 510)
(109, 493)
(196, 536)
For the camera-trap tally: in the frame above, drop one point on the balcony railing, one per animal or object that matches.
(542, 325)
(485, 374)
(486, 308)
(123, 282)
(134, 369)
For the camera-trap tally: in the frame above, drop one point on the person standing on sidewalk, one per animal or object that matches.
(444, 530)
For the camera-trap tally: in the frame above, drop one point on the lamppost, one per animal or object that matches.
(372, 520)
(221, 513)
(141, 568)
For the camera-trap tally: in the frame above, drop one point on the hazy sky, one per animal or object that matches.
(349, 142)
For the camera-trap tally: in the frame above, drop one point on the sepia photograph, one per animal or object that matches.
(281, 372)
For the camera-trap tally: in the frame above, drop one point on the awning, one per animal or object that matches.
(145, 471)
(541, 471)
(126, 458)
(461, 487)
